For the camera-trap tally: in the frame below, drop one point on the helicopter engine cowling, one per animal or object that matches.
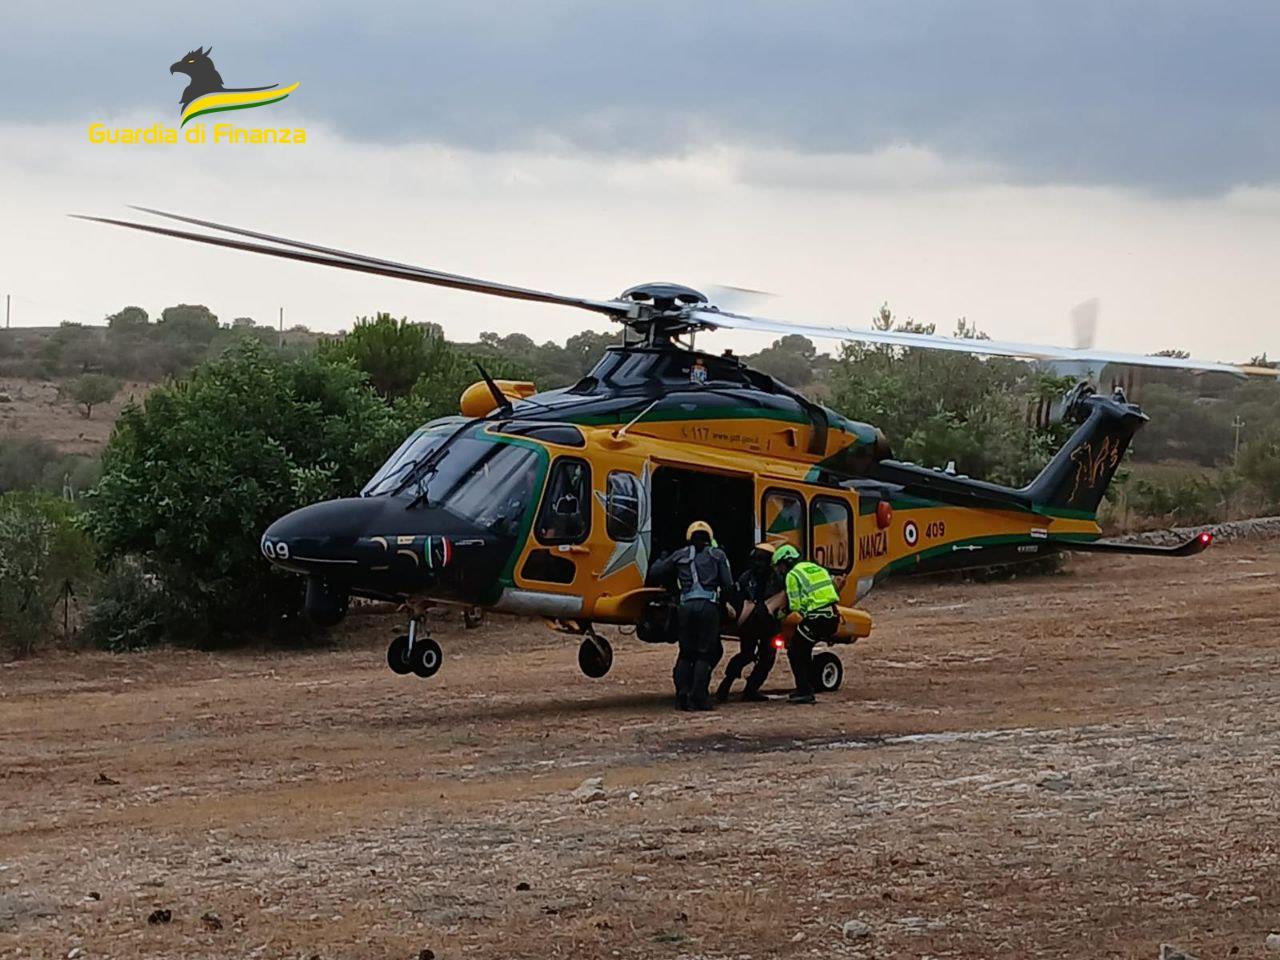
(478, 400)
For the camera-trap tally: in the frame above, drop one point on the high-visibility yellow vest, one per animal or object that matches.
(809, 587)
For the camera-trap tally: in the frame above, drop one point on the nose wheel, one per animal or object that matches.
(595, 656)
(415, 652)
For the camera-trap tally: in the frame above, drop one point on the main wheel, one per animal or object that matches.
(828, 672)
(595, 657)
(398, 655)
(426, 657)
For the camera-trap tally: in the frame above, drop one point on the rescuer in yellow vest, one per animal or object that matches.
(812, 594)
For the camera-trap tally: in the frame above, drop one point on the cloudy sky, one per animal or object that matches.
(1001, 161)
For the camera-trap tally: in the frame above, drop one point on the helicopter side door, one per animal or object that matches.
(561, 527)
(820, 523)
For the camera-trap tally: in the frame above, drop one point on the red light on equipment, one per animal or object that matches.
(1206, 538)
(778, 642)
(884, 514)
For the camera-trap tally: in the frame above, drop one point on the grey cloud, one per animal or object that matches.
(1176, 96)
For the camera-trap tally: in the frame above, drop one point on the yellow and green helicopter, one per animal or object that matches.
(551, 504)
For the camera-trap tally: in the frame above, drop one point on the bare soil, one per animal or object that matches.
(35, 410)
(1083, 765)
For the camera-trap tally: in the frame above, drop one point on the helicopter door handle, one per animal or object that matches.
(572, 548)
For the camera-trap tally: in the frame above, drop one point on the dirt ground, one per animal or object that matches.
(1084, 765)
(35, 409)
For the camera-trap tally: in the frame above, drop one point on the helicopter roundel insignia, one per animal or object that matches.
(911, 533)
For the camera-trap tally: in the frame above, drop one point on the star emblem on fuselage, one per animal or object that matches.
(635, 551)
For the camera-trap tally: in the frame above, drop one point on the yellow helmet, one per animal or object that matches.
(699, 526)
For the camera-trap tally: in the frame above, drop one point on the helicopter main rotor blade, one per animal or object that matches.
(998, 348)
(346, 260)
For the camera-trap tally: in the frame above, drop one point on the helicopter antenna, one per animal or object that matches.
(622, 432)
(500, 398)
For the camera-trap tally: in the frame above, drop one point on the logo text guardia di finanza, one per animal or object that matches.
(205, 95)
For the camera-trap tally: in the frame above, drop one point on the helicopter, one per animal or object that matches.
(551, 504)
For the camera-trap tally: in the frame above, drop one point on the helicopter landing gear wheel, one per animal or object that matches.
(595, 656)
(828, 672)
(426, 657)
(398, 655)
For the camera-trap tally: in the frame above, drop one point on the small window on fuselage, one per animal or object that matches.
(565, 516)
(622, 506)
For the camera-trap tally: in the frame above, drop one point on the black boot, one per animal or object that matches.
(722, 692)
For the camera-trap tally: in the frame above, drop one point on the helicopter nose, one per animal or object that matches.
(322, 537)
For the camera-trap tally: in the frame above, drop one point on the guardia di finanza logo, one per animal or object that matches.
(207, 95)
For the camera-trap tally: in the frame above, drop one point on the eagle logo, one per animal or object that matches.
(207, 94)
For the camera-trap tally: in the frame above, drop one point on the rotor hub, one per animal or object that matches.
(664, 297)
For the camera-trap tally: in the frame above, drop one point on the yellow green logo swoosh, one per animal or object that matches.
(231, 100)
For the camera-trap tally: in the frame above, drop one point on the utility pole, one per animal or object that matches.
(280, 336)
(6, 311)
(1237, 423)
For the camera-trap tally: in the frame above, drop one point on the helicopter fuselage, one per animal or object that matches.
(548, 509)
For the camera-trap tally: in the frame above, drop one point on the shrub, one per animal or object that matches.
(192, 478)
(41, 552)
(130, 609)
(31, 464)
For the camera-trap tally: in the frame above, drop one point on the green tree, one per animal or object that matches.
(194, 323)
(128, 323)
(91, 389)
(584, 350)
(792, 359)
(936, 407)
(193, 476)
(394, 353)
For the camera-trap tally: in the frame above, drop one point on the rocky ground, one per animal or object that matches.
(1075, 766)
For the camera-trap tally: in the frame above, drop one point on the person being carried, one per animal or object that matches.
(702, 580)
(812, 594)
(759, 595)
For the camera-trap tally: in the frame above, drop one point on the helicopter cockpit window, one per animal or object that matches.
(493, 485)
(420, 444)
(566, 509)
(622, 506)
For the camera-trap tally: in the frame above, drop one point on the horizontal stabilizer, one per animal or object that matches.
(1197, 544)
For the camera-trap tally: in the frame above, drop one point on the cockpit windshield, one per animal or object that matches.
(420, 445)
(490, 484)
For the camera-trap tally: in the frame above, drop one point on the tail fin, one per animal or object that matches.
(1078, 475)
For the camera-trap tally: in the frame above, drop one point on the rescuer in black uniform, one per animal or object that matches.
(702, 581)
(757, 624)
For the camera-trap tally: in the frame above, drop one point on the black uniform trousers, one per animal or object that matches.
(698, 624)
(817, 625)
(755, 646)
